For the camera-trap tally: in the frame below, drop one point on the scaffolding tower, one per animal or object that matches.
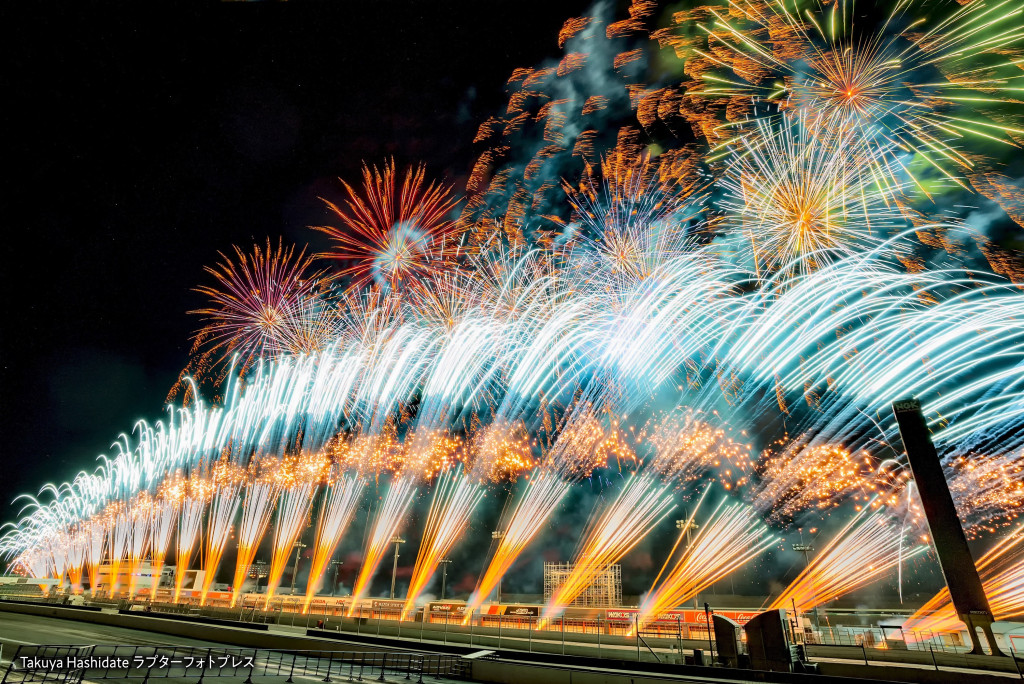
(605, 591)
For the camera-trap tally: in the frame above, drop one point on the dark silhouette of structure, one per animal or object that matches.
(947, 533)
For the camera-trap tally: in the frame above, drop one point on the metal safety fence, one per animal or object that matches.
(145, 663)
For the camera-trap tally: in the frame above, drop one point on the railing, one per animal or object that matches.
(613, 638)
(145, 663)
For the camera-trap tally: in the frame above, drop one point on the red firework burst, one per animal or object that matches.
(253, 302)
(391, 233)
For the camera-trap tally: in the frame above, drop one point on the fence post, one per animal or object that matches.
(529, 631)
(636, 631)
(499, 631)
(202, 670)
(383, 666)
(600, 631)
(1014, 656)
(291, 672)
(932, 651)
(330, 662)
(563, 633)
(471, 628)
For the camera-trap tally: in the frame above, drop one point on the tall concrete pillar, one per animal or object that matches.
(947, 533)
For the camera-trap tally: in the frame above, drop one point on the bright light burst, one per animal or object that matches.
(729, 538)
(392, 233)
(915, 81)
(870, 545)
(803, 198)
(641, 505)
(254, 302)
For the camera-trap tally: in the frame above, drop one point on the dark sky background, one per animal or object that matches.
(139, 142)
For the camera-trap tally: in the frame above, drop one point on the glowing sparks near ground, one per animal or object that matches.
(292, 510)
(390, 516)
(339, 505)
(868, 546)
(190, 519)
(542, 495)
(730, 537)
(640, 506)
(1002, 575)
(222, 511)
(455, 499)
(260, 497)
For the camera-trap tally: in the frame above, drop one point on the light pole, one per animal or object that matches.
(337, 570)
(259, 571)
(396, 540)
(295, 570)
(497, 536)
(444, 574)
(688, 525)
(807, 548)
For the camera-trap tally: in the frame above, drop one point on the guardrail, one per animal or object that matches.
(145, 663)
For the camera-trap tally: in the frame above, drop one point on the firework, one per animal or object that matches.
(638, 216)
(118, 538)
(254, 301)
(804, 477)
(921, 85)
(731, 536)
(638, 508)
(95, 535)
(685, 447)
(987, 489)
(542, 495)
(455, 499)
(867, 547)
(222, 512)
(260, 496)
(1000, 571)
(391, 233)
(190, 519)
(336, 511)
(390, 516)
(74, 545)
(502, 451)
(161, 526)
(802, 199)
(300, 479)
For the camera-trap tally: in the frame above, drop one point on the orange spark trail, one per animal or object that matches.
(867, 547)
(339, 504)
(731, 537)
(1002, 576)
(539, 500)
(389, 518)
(455, 499)
(641, 505)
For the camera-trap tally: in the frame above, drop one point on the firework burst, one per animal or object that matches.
(392, 233)
(254, 303)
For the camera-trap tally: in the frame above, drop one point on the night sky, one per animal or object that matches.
(141, 141)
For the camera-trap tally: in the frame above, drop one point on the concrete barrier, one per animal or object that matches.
(198, 619)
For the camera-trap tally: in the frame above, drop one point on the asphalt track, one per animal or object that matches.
(29, 630)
